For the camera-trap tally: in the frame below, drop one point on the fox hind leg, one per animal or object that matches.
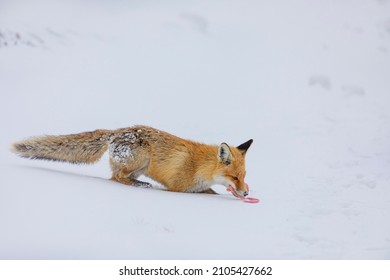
(128, 161)
(137, 183)
(129, 178)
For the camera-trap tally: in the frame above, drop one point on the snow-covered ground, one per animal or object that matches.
(309, 81)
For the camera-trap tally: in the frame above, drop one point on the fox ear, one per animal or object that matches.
(245, 146)
(224, 154)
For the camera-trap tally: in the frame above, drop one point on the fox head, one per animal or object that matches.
(231, 166)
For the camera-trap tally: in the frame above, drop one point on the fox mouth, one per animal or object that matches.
(242, 197)
(244, 193)
(239, 193)
(236, 192)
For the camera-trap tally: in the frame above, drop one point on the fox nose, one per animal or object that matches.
(245, 193)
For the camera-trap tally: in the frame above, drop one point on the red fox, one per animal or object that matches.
(179, 165)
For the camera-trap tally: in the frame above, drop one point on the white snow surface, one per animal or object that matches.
(309, 81)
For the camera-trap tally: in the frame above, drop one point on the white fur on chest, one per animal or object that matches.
(200, 186)
(203, 185)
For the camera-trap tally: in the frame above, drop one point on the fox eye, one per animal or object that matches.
(234, 178)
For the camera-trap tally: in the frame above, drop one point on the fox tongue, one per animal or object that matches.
(243, 198)
(234, 192)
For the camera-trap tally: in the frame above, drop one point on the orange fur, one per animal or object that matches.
(178, 164)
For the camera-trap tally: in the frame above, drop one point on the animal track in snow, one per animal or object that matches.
(371, 184)
(320, 81)
(12, 39)
(197, 22)
(351, 90)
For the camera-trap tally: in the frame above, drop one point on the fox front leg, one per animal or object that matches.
(209, 191)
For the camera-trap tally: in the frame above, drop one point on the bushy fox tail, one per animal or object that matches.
(86, 147)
